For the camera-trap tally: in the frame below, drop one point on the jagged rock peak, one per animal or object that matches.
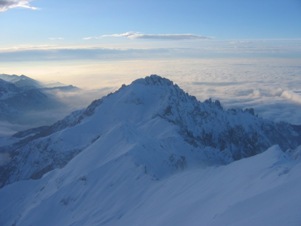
(154, 80)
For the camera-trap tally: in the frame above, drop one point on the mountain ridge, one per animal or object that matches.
(159, 109)
(23, 98)
(134, 158)
(21, 81)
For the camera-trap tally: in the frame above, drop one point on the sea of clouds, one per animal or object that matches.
(271, 86)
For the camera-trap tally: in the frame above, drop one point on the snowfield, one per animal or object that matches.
(150, 154)
(260, 190)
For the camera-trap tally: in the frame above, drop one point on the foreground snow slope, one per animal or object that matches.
(260, 190)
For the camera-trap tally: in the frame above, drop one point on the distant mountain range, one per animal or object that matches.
(23, 98)
(21, 81)
(151, 154)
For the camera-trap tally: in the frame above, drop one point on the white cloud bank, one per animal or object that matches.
(10, 4)
(137, 35)
(270, 86)
(291, 96)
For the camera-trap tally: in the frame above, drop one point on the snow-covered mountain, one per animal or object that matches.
(22, 99)
(17, 101)
(7, 89)
(25, 82)
(150, 154)
(21, 81)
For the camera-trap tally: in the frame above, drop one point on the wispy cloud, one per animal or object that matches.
(50, 53)
(137, 35)
(10, 4)
(56, 38)
(203, 49)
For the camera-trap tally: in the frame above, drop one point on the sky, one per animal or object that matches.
(145, 24)
(203, 45)
(46, 39)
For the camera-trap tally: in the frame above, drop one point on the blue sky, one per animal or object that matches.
(68, 22)
(38, 32)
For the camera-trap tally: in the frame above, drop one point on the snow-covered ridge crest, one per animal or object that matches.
(153, 123)
(154, 80)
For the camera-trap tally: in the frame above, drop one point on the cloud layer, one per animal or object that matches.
(137, 35)
(155, 50)
(269, 85)
(54, 54)
(10, 4)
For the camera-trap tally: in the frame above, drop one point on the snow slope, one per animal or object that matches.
(260, 190)
(150, 154)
